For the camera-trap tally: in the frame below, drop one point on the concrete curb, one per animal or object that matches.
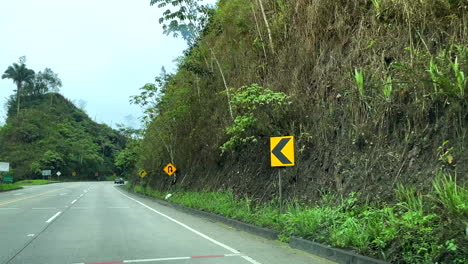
(333, 254)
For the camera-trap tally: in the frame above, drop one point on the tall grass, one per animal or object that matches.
(412, 199)
(453, 197)
(434, 74)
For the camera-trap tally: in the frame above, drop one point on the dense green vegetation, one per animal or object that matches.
(49, 132)
(408, 231)
(374, 92)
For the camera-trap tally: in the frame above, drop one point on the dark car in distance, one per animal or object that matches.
(119, 181)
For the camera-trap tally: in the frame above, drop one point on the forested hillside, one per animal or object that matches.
(374, 92)
(51, 133)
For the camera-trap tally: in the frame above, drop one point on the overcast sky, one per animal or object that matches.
(103, 50)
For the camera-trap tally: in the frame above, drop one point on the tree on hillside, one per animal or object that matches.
(20, 74)
(52, 160)
(149, 98)
(44, 82)
(189, 21)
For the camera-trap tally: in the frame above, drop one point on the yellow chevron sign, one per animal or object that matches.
(282, 151)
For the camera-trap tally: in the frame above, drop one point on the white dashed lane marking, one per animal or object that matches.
(53, 217)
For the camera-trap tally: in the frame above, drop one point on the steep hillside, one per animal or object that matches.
(374, 89)
(375, 93)
(52, 133)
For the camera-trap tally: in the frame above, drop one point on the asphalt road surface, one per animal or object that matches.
(96, 222)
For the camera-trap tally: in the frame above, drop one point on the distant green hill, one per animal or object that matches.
(52, 133)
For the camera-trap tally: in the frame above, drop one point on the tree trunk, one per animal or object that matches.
(224, 81)
(258, 30)
(18, 98)
(198, 87)
(267, 26)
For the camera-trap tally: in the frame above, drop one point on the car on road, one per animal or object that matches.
(119, 181)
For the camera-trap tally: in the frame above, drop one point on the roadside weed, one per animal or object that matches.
(459, 77)
(388, 87)
(359, 77)
(410, 198)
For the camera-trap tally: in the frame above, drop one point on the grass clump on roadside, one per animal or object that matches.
(9, 187)
(418, 229)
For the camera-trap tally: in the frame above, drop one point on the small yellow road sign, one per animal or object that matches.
(74, 173)
(282, 151)
(142, 173)
(170, 169)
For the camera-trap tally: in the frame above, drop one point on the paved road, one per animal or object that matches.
(97, 223)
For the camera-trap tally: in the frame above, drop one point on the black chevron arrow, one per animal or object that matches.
(277, 151)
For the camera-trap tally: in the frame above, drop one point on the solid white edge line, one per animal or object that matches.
(153, 260)
(168, 259)
(74, 201)
(183, 225)
(53, 217)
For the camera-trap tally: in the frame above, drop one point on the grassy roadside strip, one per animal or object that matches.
(20, 184)
(9, 187)
(34, 182)
(418, 229)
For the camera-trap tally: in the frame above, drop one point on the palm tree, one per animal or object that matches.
(19, 74)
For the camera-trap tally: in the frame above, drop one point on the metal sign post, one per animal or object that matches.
(280, 191)
(282, 155)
